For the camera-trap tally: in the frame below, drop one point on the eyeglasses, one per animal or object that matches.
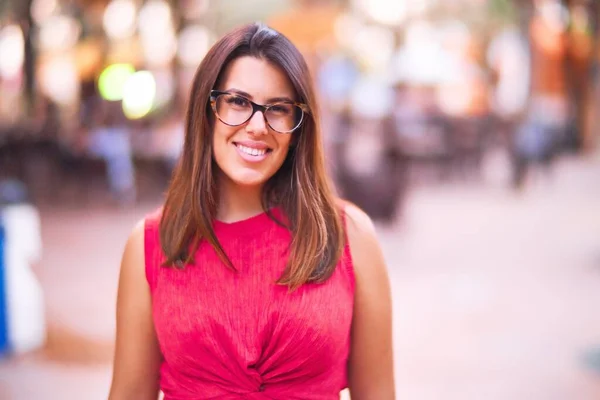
(234, 110)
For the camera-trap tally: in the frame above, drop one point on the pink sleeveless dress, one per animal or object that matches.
(237, 335)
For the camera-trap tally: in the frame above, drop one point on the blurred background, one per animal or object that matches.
(468, 129)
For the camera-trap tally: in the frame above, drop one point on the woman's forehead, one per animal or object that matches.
(258, 78)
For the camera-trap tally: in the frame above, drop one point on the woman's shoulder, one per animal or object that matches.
(153, 217)
(362, 237)
(145, 229)
(356, 221)
(143, 247)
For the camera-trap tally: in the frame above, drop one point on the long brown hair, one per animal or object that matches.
(300, 187)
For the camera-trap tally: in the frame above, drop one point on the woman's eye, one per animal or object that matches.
(238, 101)
(281, 108)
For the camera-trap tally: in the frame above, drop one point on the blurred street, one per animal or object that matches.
(469, 130)
(496, 293)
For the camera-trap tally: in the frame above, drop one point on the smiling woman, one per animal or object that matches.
(254, 280)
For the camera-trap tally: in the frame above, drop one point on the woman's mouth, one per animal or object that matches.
(252, 152)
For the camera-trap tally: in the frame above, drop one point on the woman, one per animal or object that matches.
(246, 284)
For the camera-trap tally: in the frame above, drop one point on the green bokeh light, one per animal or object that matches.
(112, 81)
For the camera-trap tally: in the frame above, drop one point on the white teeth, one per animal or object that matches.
(251, 151)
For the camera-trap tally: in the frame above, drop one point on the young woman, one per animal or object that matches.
(253, 281)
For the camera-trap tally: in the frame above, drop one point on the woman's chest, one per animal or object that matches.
(209, 310)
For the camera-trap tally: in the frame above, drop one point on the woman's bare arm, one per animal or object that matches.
(371, 371)
(137, 355)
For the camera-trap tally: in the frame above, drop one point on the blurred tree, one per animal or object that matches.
(20, 10)
(232, 13)
(30, 54)
(580, 61)
(505, 11)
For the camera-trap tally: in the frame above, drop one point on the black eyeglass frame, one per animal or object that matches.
(214, 94)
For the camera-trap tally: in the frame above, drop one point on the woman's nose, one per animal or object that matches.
(257, 124)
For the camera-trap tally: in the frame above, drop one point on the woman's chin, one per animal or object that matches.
(249, 179)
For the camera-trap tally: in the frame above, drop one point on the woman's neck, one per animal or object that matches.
(237, 203)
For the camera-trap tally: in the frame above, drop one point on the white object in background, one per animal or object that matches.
(24, 296)
(372, 97)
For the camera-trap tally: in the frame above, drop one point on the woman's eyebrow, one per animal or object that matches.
(279, 99)
(269, 101)
(240, 92)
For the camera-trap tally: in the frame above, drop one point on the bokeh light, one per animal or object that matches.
(374, 47)
(194, 41)
(59, 80)
(139, 94)
(344, 28)
(41, 10)
(165, 86)
(157, 33)
(119, 19)
(112, 80)
(11, 51)
(154, 17)
(59, 32)
(389, 12)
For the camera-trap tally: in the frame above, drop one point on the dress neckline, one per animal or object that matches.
(248, 225)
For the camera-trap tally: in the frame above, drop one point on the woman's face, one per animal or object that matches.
(251, 153)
